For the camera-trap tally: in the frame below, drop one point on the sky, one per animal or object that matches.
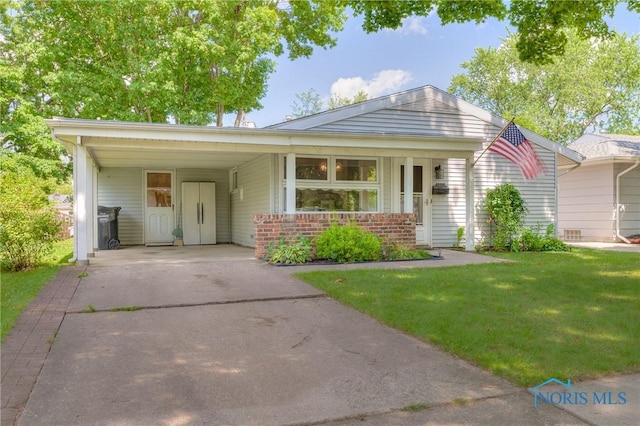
(422, 52)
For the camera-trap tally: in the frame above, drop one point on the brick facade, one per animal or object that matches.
(392, 227)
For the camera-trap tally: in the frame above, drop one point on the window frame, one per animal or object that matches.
(332, 183)
(233, 180)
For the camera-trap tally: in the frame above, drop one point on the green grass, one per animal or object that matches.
(565, 315)
(18, 289)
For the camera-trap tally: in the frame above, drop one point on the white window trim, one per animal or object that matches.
(232, 172)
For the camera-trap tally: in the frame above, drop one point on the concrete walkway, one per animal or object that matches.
(175, 336)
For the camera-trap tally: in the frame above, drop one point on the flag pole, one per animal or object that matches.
(493, 141)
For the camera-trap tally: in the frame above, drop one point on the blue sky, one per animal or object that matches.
(421, 52)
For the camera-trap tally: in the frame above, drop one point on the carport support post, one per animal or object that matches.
(408, 185)
(90, 210)
(469, 204)
(80, 202)
(291, 183)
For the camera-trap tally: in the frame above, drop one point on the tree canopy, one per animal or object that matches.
(594, 86)
(540, 24)
(182, 61)
(166, 60)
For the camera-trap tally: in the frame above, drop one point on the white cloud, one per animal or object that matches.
(414, 25)
(382, 83)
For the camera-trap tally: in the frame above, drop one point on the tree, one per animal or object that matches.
(594, 86)
(167, 60)
(338, 101)
(540, 24)
(308, 103)
(23, 133)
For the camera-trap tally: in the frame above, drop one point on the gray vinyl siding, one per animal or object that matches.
(254, 181)
(629, 199)
(429, 123)
(221, 178)
(587, 200)
(122, 187)
(448, 210)
(540, 194)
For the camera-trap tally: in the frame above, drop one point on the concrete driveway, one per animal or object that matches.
(221, 338)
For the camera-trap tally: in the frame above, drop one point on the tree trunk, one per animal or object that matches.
(219, 115)
(239, 118)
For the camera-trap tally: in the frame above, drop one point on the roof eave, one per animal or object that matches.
(68, 130)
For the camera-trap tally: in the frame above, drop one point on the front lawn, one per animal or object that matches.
(20, 288)
(565, 315)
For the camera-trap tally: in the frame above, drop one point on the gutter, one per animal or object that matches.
(618, 200)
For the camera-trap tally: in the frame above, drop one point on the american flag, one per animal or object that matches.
(512, 145)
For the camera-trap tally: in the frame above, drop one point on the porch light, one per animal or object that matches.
(439, 172)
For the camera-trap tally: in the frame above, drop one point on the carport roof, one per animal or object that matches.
(128, 144)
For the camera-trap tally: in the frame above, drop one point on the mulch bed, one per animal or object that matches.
(328, 262)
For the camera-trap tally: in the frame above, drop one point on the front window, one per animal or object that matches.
(337, 200)
(336, 184)
(357, 170)
(311, 168)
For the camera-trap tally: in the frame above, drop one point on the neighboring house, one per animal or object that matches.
(354, 162)
(600, 200)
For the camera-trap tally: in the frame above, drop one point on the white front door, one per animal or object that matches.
(421, 198)
(159, 207)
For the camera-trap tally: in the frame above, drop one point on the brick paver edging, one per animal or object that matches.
(27, 345)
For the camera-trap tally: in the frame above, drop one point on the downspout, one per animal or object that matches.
(618, 200)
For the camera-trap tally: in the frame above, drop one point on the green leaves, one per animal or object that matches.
(594, 86)
(540, 24)
(28, 223)
(188, 62)
(507, 210)
(348, 243)
(289, 253)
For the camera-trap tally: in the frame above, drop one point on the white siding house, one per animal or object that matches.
(359, 159)
(600, 200)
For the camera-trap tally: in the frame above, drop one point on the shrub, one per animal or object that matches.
(395, 251)
(506, 210)
(531, 239)
(459, 237)
(28, 224)
(288, 253)
(348, 243)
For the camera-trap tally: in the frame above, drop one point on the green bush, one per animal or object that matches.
(28, 224)
(289, 253)
(348, 243)
(531, 239)
(506, 210)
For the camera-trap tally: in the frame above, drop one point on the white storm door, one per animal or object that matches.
(159, 208)
(421, 199)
